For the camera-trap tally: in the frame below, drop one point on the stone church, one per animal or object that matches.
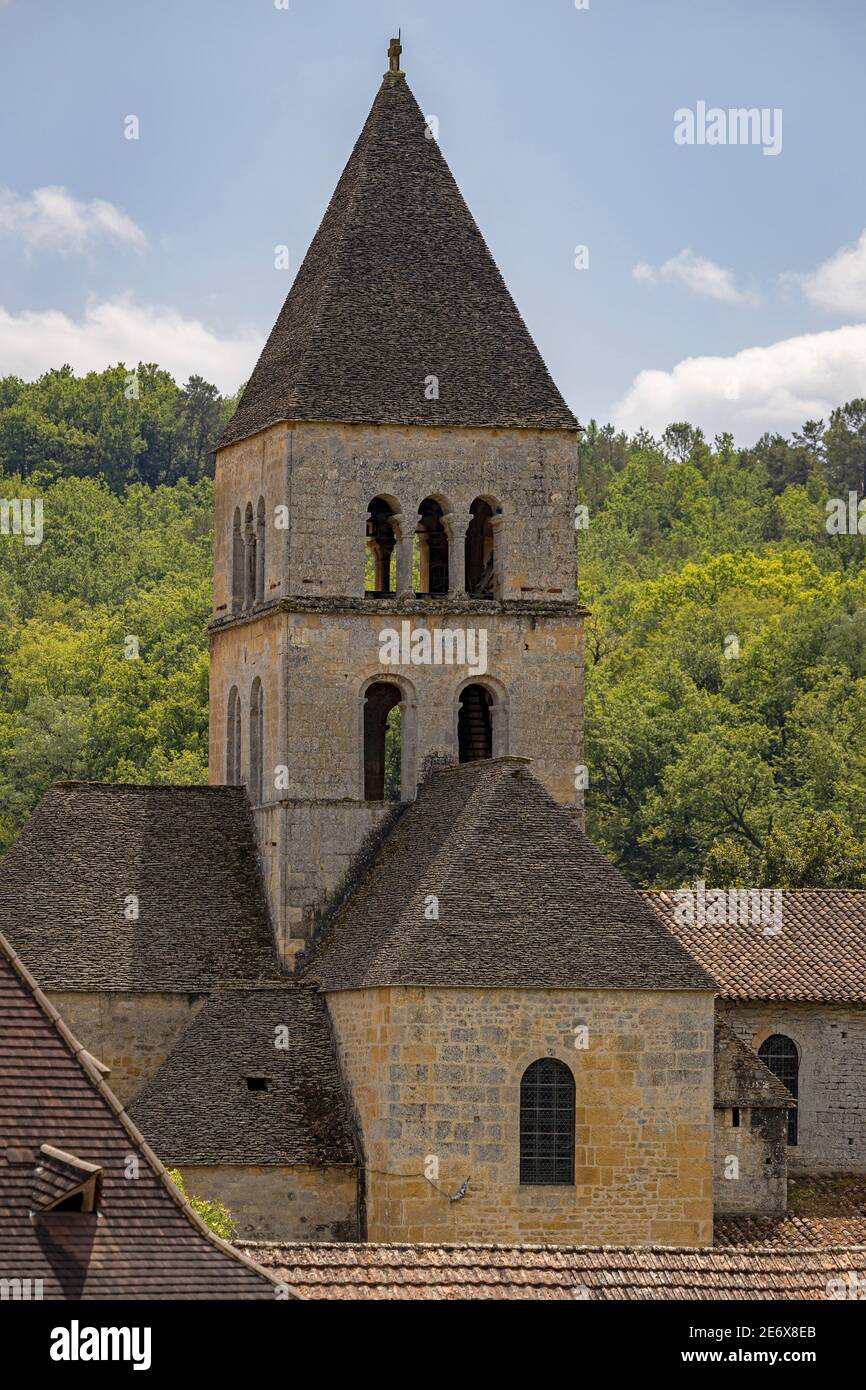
(375, 982)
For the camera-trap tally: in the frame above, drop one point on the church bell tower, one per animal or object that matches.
(395, 573)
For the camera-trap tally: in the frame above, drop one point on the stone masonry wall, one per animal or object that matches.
(318, 649)
(436, 1074)
(831, 1040)
(327, 474)
(131, 1033)
(757, 1185)
(281, 1203)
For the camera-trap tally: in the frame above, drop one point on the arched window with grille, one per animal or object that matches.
(257, 742)
(781, 1056)
(233, 739)
(547, 1124)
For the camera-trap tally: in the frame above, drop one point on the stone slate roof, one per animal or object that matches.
(741, 1078)
(819, 955)
(199, 1108)
(420, 1272)
(187, 853)
(144, 1242)
(398, 285)
(525, 899)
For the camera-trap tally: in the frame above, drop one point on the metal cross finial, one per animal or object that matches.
(395, 49)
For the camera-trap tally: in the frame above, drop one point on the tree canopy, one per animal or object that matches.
(725, 652)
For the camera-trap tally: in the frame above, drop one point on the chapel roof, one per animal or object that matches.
(398, 285)
(437, 1272)
(228, 1093)
(525, 900)
(183, 858)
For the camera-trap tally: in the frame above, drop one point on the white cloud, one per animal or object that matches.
(697, 275)
(760, 388)
(121, 330)
(53, 218)
(839, 284)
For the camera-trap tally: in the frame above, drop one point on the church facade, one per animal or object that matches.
(380, 984)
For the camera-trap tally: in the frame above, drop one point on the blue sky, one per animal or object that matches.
(724, 285)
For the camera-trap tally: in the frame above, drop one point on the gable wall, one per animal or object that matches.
(435, 1073)
(131, 1032)
(277, 1202)
(757, 1183)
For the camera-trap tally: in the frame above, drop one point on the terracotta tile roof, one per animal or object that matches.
(199, 1106)
(416, 1272)
(789, 1232)
(741, 1078)
(819, 954)
(525, 899)
(187, 854)
(825, 1209)
(397, 285)
(144, 1242)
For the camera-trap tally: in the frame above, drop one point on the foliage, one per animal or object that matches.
(122, 426)
(75, 700)
(214, 1214)
(726, 656)
(725, 652)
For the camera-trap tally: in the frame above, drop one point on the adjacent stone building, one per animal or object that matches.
(796, 996)
(751, 1122)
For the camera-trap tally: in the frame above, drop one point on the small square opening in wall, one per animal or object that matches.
(258, 1083)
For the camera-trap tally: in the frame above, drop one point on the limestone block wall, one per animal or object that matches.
(250, 469)
(316, 663)
(307, 849)
(831, 1040)
(132, 1033)
(240, 654)
(435, 1075)
(281, 1203)
(757, 1184)
(327, 474)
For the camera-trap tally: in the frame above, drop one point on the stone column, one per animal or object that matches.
(403, 575)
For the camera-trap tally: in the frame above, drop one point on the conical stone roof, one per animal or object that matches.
(397, 286)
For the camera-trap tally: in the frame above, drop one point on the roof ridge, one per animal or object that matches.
(453, 844)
